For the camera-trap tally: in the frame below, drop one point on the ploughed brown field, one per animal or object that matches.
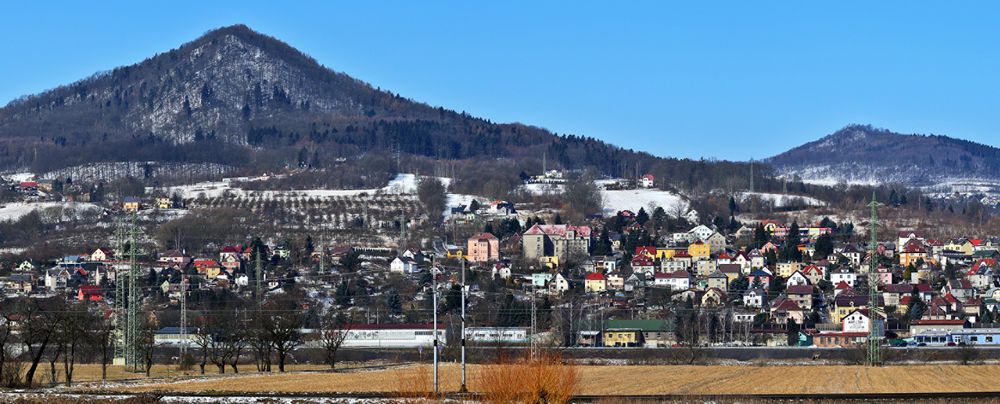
(613, 380)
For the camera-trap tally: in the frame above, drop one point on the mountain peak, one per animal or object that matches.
(865, 154)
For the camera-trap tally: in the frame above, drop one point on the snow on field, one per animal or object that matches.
(405, 183)
(781, 200)
(66, 210)
(20, 176)
(543, 189)
(401, 184)
(633, 199)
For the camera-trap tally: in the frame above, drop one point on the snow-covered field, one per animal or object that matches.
(401, 184)
(781, 200)
(633, 199)
(61, 211)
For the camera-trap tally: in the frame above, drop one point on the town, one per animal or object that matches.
(628, 280)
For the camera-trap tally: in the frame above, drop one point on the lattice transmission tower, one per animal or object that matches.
(874, 331)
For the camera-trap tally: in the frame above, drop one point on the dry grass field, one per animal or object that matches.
(83, 373)
(622, 380)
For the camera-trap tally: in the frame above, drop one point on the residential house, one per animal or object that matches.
(801, 295)
(981, 273)
(760, 277)
(540, 279)
(595, 282)
(615, 281)
(91, 293)
(797, 278)
(783, 309)
(913, 253)
(732, 271)
(208, 267)
(483, 247)
(786, 269)
(699, 250)
(716, 242)
(131, 204)
(904, 237)
(638, 333)
(403, 265)
(843, 275)
(558, 284)
(893, 293)
(677, 280)
(714, 297)
(647, 180)
(102, 254)
(706, 267)
(643, 263)
(558, 240)
(755, 298)
(718, 280)
(501, 270)
(853, 254)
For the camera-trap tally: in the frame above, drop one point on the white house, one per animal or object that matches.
(754, 298)
(558, 284)
(677, 280)
(403, 265)
(701, 232)
(797, 278)
(843, 275)
(501, 270)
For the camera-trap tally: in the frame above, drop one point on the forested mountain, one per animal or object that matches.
(239, 98)
(861, 153)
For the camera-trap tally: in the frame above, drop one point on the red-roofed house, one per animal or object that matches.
(91, 293)
(558, 240)
(595, 282)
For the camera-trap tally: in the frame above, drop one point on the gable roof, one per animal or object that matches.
(800, 289)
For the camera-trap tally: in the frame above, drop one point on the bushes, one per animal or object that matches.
(543, 379)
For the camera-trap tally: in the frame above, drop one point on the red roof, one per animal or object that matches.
(230, 249)
(800, 289)
(93, 290)
(28, 184)
(595, 276)
(559, 230)
(937, 322)
(483, 237)
(651, 250)
(843, 285)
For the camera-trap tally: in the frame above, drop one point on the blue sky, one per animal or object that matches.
(728, 80)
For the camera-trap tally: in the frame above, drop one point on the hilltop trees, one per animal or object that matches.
(431, 193)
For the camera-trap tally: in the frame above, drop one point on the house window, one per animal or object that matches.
(974, 339)
(989, 338)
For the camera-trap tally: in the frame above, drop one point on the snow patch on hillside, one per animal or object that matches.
(783, 200)
(60, 211)
(634, 199)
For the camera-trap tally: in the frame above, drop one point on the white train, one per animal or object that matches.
(496, 335)
(393, 336)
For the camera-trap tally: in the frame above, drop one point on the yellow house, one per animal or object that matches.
(699, 250)
(163, 203)
(912, 252)
(130, 204)
(963, 246)
(665, 253)
(619, 337)
(786, 269)
(550, 261)
(595, 282)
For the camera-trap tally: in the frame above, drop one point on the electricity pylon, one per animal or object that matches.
(874, 333)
